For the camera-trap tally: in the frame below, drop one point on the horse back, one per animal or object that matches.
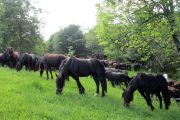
(53, 60)
(85, 67)
(151, 83)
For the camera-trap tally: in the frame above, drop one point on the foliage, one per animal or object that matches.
(52, 42)
(19, 25)
(92, 44)
(41, 48)
(70, 51)
(140, 30)
(69, 38)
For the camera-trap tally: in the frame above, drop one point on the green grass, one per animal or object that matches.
(24, 95)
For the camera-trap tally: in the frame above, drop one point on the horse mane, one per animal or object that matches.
(63, 68)
(21, 60)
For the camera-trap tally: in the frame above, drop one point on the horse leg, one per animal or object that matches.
(126, 83)
(29, 66)
(51, 73)
(41, 69)
(47, 69)
(142, 93)
(97, 85)
(103, 84)
(81, 88)
(145, 97)
(112, 83)
(47, 74)
(41, 72)
(26, 67)
(149, 101)
(160, 100)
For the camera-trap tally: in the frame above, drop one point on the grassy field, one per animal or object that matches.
(26, 96)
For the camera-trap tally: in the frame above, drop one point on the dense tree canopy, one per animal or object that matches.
(146, 30)
(19, 26)
(69, 40)
(92, 44)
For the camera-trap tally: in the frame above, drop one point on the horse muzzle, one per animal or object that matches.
(126, 104)
(58, 91)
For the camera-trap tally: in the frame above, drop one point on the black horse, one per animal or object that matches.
(107, 69)
(27, 60)
(10, 57)
(76, 68)
(6, 57)
(34, 60)
(148, 85)
(1, 58)
(117, 78)
(48, 62)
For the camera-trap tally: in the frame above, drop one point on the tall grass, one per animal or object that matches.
(26, 96)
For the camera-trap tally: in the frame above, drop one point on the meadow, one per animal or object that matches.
(26, 96)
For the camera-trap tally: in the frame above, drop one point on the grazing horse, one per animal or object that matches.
(116, 70)
(146, 85)
(8, 57)
(27, 60)
(5, 59)
(116, 78)
(174, 93)
(34, 60)
(48, 62)
(16, 57)
(76, 68)
(11, 57)
(137, 67)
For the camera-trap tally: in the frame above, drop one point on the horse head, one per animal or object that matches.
(60, 82)
(18, 66)
(61, 77)
(9, 52)
(128, 97)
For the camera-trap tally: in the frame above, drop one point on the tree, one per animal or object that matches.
(52, 42)
(92, 44)
(71, 36)
(19, 25)
(165, 10)
(141, 30)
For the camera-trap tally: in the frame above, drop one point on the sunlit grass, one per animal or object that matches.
(24, 95)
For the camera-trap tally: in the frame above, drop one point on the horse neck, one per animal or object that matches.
(65, 72)
(66, 68)
(132, 87)
(21, 61)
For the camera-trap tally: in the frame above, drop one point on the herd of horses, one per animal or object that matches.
(146, 84)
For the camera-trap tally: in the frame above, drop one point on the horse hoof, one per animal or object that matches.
(166, 107)
(152, 109)
(96, 94)
(57, 93)
(81, 92)
(102, 95)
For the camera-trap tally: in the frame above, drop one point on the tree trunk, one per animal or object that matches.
(169, 13)
(176, 42)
